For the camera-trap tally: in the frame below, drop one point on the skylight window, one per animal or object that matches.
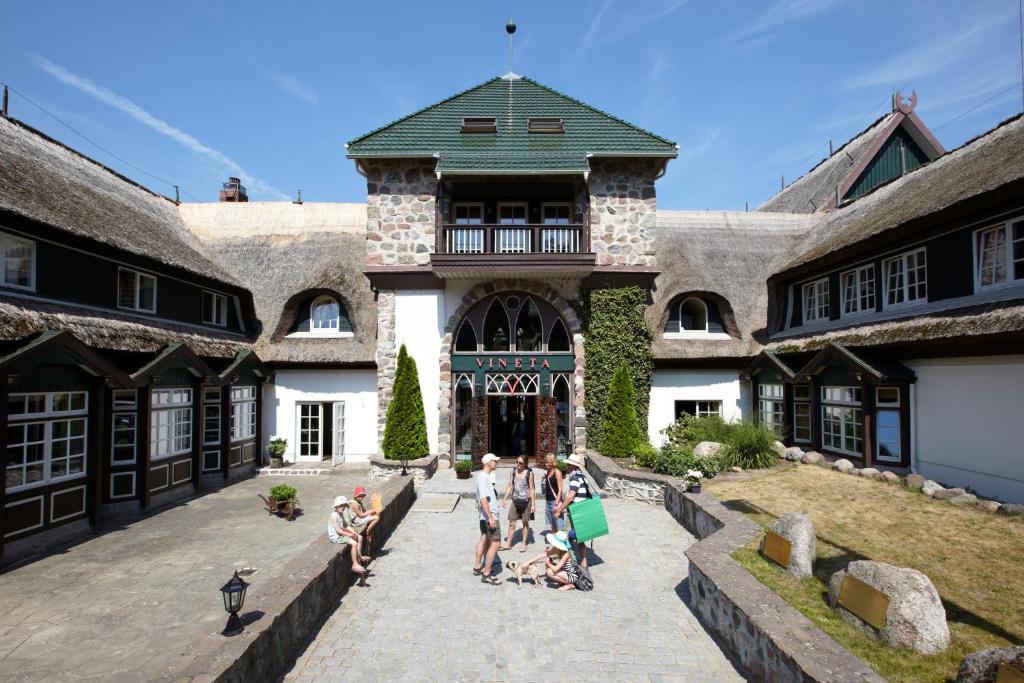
(545, 124)
(479, 124)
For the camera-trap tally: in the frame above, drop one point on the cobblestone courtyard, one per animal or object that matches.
(424, 617)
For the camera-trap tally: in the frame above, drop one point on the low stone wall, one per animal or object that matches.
(619, 482)
(421, 469)
(294, 605)
(771, 639)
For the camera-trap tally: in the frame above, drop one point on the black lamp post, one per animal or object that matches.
(405, 464)
(234, 597)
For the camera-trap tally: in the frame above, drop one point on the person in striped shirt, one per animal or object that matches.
(577, 488)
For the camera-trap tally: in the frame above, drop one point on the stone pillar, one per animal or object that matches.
(387, 357)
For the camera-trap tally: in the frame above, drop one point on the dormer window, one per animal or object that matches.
(545, 124)
(324, 315)
(479, 124)
(694, 317)
(321, 316)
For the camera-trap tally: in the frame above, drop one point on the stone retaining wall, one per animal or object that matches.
(294, 605)
(421, 469)
(771, 639)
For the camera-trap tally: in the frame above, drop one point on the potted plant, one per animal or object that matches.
(693, 479)
(285, 499)
(276, 447)
(463, 468)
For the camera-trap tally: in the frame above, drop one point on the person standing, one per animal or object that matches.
(520, 488)
(552, 492)
(578, 490)
(490, 533)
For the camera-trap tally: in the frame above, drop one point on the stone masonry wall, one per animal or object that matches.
(387, 356)
(623, 206)
(400, 221)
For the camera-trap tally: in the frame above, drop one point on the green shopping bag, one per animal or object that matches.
(588, 520)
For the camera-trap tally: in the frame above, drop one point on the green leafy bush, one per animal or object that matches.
(277, 446)
(560, 464)
(283, 492)
(646, 455)
(750, 446)
(621, 437)
(463, 465)
(405, 428)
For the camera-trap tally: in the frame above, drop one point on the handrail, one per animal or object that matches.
(529, 238)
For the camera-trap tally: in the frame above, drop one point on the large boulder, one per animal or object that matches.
(963, 499)
(796, 528)
(988, 505)
(779, 447)
(793, 454)
(812, 457)
(915, 618)
(870, 473)
(983, 665)
(915, 481)
(891, 477)
(946, 494)
(930, 488)
(706, 449)
(1011, 510)
(843, 465)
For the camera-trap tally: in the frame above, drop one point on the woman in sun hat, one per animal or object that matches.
(562, 567)
(361, 519)
(339, 531)
(576, 489)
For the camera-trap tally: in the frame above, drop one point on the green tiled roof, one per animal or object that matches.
(435, 131)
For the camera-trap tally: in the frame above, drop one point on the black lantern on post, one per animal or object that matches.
(234, 597)
(405, 465)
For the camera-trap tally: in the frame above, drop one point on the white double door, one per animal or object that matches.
(316, 439)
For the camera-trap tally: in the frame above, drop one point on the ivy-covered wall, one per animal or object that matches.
(614, 334)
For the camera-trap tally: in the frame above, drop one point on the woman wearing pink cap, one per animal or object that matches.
(361, 519)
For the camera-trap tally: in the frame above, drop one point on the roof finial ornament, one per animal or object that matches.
(904, 107)
(510, 28)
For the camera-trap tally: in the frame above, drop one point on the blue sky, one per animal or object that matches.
(196, 91)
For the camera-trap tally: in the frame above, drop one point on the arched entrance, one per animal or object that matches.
(512, 379)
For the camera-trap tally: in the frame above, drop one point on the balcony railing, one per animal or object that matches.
(513, 239)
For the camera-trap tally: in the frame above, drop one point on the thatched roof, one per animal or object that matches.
(109, 330)
(727, 257)
(983, 164)
(283, 252)
(814, 190)
(43, 180)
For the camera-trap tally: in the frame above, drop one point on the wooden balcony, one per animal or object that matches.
(471, 250)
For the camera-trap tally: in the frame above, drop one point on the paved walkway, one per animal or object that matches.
(118, 606)
(424, 617)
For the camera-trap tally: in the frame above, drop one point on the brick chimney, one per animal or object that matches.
(233, 191)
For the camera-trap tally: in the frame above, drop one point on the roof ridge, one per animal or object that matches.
(421, 110)
(40, 134)
(599, 111)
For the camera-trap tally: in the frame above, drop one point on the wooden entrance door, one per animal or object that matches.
(546, 424)
(481, 433)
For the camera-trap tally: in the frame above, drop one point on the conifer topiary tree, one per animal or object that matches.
(405, 430)
(621, 436)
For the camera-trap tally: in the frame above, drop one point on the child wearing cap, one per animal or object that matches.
(339, 531)
(361, 519)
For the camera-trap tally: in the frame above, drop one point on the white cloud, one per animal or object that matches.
(704, 142)
(780, 13)
(294, 86)
(660, 63)
(626, 23)
(111, 98)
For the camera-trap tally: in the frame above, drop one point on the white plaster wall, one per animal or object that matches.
(357, 388)
(669, 386)
(419, 324)
(967, 414)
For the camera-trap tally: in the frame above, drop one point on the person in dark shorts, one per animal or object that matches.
(487, 507)
(520, 489)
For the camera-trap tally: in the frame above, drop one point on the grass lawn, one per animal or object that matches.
(974, 558)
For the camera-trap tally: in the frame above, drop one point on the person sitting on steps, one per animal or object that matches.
(362, 520)
(339, 531)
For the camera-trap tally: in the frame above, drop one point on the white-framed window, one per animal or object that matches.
(906, 278)
(325, 315)
(815, 298)
(124, 426)
(243, 412)
(771, 407)
(170, 430)
(998, 255)
(512, 213)
(47, 438)
(698, 408)
(556, 214)
(841, 420)
(802, 412)
(310, 429)
(693, 315)
(136, 291)
(465, 213)
(887, 431)
(215, 309)
(17, 262)
(211, 416)
(858, 287)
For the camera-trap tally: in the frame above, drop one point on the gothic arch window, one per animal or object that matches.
(529, 328)
(466, 338)
(558, 340)
(496, 328)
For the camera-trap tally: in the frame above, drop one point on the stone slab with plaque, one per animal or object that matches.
(776, 548)
(864, 600)
(1008, 673)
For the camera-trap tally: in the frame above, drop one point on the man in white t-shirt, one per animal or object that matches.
(487, 507)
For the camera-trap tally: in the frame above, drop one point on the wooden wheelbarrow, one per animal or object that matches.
(274, 507)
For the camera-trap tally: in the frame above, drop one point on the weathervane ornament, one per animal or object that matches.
(904, 107)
